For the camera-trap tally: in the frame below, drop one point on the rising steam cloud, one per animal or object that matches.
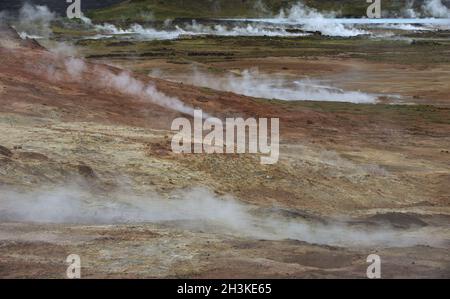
(309, 18)
(34, 21)
(313, 20)
(193, 29)
(194, 209)
(430, 8)
(436, 8)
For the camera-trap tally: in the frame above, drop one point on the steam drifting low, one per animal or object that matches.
(59, 66)
(193, 209)
(255, 84)
(195, 29)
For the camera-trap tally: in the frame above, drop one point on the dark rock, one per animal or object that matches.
(5, 152)
(86, 171)
(32, 156)
(399, 220)
(4, 160)
(202, 99)
(121, 44)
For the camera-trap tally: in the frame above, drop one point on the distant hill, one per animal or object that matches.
(58, 6)
(144, 10)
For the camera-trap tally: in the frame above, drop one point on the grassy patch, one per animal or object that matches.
(214, 49)
(407, 113)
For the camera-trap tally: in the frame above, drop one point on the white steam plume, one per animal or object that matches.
(305, 18)
(255, 84)
(409, 11)
(261, 8)
(313, 20)
(194, 29)
(63, 49)
(75, 67)
(430, 8)
(127, 84)
(239, 30)
(436, 9)
(35, 21)
(195, 209)
(64, 65)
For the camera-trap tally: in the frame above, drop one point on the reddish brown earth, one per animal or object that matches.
(337, 160)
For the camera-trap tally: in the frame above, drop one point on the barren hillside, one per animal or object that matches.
(81, 145)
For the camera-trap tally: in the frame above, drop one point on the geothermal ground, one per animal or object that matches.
(86, 165)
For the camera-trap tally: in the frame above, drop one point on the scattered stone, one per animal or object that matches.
(162, 148)
(5, 152)
(86, 171)
(202, 99)
(32, 156)
(4, 160)
(121, 44)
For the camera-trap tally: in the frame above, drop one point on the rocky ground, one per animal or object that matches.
(368, 168)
